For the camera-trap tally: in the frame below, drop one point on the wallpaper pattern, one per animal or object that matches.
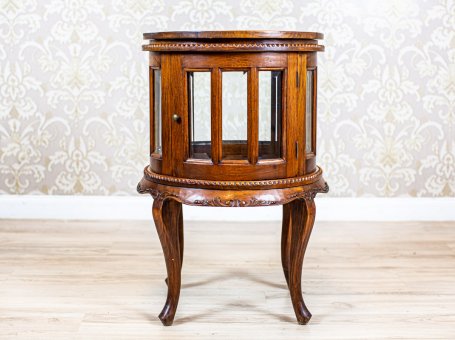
(73, 90)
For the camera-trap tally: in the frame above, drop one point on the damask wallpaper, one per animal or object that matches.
(73, 90)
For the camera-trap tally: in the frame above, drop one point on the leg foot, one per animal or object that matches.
(167, 216)
(302, 214)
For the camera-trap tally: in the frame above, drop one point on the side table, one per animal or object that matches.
(233, 124)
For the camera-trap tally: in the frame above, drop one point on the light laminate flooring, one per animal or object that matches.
(105, 280)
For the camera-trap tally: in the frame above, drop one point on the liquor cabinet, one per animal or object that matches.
(233, 124)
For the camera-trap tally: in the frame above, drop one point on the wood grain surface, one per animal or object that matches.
(176, 35)
(105, 280)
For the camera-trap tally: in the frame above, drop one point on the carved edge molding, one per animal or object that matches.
(160, 46)
(254, 202)
(311, 193)
(151, 176)
(213, 202)
(217, 201)
(155, 193)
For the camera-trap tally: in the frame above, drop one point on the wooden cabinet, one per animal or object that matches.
(233, 123)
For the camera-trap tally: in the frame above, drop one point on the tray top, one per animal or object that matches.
(191, 35)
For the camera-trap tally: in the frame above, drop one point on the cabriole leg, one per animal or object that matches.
(179, 211)
(285, 240)
(167, 214)
(302, 214)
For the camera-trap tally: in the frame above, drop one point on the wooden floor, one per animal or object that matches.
(104, 280)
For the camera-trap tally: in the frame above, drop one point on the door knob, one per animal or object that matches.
(176, 117)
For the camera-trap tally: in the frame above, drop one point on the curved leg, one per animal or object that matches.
(302, 218)
(180, 222)
(180, 226)
(285, 240)
(167, 215)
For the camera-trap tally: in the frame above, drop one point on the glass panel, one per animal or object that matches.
(157, 110)
(270, 114)
(199, 108)
(234, 115)
(309, 111)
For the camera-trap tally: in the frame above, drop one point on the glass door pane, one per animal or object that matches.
(309, 111)
(270, 114)
(234, 115)
(199, 109)
(157, 110)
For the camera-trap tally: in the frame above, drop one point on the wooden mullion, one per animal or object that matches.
(294, 113)
(189, 111)
(302, 112)
(277, 111)
(253, 108)
(216, 115)
(166, 108)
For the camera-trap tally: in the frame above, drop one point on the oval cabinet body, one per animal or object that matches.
(233, 123)
(233, 106)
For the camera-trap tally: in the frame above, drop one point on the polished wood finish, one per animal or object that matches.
(175, 145)
(293, 139)
(226, 172)
(278, 183)
(298, 219)
(233, 41)
(167, 215)
(222, 168)
(265, 60)
(302, 214)
(246, 197)
(181, 35)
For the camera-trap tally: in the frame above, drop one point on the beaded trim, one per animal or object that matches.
(185, 45)
(150, 175)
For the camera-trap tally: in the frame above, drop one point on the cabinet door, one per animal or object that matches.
(301, 114)
(233, 116)
(295, 114)
(174, 120)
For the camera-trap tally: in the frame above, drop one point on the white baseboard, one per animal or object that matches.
(140, 208)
